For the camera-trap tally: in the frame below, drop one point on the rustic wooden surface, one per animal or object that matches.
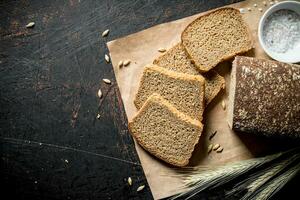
(52, 145)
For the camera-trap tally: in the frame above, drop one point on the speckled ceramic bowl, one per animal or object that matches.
(292, 55)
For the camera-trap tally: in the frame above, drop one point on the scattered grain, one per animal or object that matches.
(140, 188)
(260, 9)
(120, 64)
(30, 25)
(107, 81)
(129, 180)
(212, 135)
(161, 50)
(255, 5)
(219, 150)
(107, 58)
(105, 33)
(216, 146)
(249, 9)
(223, 105)
(98, 116)
(126, 62)
(209, 149)
(99, 93)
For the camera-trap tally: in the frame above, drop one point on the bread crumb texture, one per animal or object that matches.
(216, 36)
(165, 132)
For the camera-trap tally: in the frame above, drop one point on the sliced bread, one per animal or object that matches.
(264, 97)
(184, 91)
(165, 132)
(177, 60)
(216, 36)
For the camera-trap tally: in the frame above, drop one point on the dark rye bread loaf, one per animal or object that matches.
(164, 131)
(184, 91)
(264, 97)
(216, 36)
(176, 59)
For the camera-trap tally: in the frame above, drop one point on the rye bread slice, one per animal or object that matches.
(165, 132)
(215, 37)
(264, 97)
(184, 91)
(177, 60)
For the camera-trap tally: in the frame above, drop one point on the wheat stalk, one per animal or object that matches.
(276, 184)
(259, 178)
(198, 179)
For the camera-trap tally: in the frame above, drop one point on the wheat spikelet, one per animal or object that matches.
(196, 181)
(276, 184)
(262, 170)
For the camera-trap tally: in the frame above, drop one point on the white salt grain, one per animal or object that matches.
(281, 31)
(242, 10)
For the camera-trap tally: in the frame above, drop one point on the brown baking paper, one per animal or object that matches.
(141, 48)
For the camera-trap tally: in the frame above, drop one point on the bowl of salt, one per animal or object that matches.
(279, 32)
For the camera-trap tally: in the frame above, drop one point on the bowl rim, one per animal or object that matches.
(260, 27)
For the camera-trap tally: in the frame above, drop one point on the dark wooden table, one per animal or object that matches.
(52, 145)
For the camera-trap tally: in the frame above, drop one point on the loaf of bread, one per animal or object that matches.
(177, 60)
(184, 91)
(165, 132)
(264, 97)
(216, 36)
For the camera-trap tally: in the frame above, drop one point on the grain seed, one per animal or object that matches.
(98, 116)
(265, 3)
(105, 33)
(249, 9)
(120, 64)
(216, 146)
(212, 135)
(30, 25)
(219, 150)
(255, 5)
(260, 9)
(107, 81)
(99, 93)
(209, 149)
(161, 50)
(126, 62)
(107, 58)
(129, 180)
(140, 188)
(66, 161)
(271, 3)
(223, 105)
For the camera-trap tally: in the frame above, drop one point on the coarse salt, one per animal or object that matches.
(281, 31)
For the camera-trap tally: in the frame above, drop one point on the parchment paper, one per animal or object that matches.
(141, 48)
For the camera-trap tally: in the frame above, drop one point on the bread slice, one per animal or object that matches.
(184, 91)
(264, 97)
(216, 36)
(165, 132)
(177, 60)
